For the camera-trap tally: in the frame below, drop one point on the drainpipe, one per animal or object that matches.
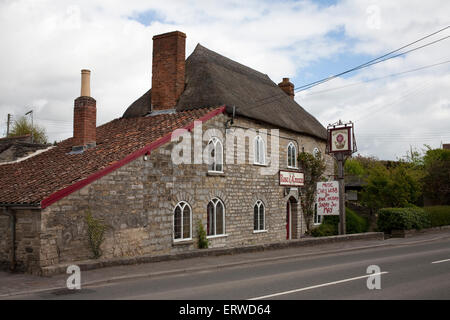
(12, 220)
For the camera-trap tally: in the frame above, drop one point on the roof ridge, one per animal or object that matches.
(227, 62)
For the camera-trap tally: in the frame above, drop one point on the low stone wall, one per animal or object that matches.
(102, 263)
(410, 233)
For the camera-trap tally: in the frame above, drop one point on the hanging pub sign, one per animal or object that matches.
(340, 139)
(327, 198)
(292, 179)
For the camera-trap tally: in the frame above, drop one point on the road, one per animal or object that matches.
(418, 270)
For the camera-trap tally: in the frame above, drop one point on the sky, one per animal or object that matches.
(45, 44)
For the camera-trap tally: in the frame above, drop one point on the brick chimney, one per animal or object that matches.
(287, 87)
(84, 116)
(168, 67)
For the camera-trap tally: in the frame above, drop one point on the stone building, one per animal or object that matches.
(125, 174)
(19, 147)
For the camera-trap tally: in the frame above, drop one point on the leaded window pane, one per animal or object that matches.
(255, 217)
(210, 223)
(219, 218)
(186, 222)
(177, 223)
(261, 217)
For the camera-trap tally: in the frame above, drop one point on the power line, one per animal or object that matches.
(367, 64)
(379, 78)
(410, 92)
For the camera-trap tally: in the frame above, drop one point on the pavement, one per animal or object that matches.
(317, 270)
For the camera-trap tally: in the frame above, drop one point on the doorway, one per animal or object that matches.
(291, 219)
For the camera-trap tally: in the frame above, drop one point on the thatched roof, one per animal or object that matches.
(213, 80)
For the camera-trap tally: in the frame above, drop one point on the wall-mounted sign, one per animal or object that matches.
(292, 179)
(339, 139)
(328, 198)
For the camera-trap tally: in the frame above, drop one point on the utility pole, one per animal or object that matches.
(341, 144)
(31, 114)
(8, 122)
(340, 158)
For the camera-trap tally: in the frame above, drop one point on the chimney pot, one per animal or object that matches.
(85, 83)
(84, 116)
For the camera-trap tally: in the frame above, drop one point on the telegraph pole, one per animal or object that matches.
(31, 114)
(8, 122)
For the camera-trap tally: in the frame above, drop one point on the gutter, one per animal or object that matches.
(7, 212)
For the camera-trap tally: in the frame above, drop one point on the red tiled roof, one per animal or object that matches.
(52, 175)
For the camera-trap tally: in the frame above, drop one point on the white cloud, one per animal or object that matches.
(45, 44)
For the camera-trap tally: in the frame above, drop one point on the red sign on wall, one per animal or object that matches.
(292, 179)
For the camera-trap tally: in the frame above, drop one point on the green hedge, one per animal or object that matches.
(329, 227)
(324, 230)
(439, 215)
(402, 219)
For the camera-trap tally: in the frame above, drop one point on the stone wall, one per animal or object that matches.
(136, 203)
(27, 240)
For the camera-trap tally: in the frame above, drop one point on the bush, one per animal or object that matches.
(402, 219)
(439, 215)
(324, 230)
(329, 227)
(202, 239)
(96, 234)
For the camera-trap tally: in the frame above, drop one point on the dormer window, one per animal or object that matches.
(260, 151)
(215, 148)
(291, 155)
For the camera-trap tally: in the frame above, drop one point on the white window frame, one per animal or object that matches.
(215, 201)
(259, 204)
(215, 144)
(260, 150)
(291, 146)
(182, 205)
(317, 219)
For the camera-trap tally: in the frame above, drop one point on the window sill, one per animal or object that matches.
(293, 168)
(260, 231)
(182, 242)
(217, 236)
(260, 164)
(215, 174)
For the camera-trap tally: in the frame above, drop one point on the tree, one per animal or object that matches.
(23, 127)
(313, 168)
(396, 186)
(436, 179)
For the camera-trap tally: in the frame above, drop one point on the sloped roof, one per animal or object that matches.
(212, 79)
(49, 176)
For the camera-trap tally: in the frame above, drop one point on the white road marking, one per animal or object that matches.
(440, 261)
(316, 286)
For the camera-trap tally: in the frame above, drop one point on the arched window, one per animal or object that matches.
(291, 155)
(216, 217)
(259, 216)
(260, 150)
(182, 221)
(215, 148)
